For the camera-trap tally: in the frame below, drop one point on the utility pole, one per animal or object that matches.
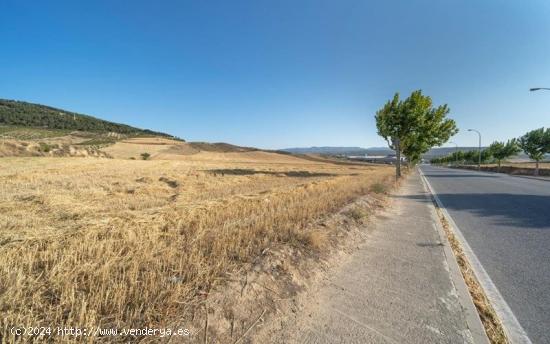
(479, 149)
(456, 152)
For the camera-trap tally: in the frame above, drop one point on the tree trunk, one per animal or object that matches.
(398, 156)
(536, 168)
(498, 168)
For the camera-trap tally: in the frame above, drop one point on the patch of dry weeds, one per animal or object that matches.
(491, 323)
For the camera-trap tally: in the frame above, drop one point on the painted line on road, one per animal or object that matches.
(516, 334)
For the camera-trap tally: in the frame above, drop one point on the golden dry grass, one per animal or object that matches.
(123, 243)
(134, 147)
(167, 149)
(492, 324)
(524, 164)
(524, 168)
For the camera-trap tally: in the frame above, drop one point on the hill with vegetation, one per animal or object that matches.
(23, 114)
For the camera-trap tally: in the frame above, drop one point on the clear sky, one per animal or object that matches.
(276, 74)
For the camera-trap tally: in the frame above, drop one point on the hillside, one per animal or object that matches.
(23, 114)
(159, 148)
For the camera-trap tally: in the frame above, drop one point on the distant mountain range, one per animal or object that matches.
(356, 151)
(327, 150)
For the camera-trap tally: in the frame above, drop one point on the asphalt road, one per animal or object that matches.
(506, 221)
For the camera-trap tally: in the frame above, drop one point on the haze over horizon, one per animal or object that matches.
(281, 75)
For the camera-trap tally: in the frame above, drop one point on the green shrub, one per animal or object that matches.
(44, 147)
(379, 188)
(357, 213)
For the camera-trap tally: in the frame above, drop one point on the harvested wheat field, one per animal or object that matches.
(525, 168)
(129, 243)
(542, 164)
(133, 147)
(168, 149)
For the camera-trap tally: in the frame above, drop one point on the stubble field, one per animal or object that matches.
(123, 243)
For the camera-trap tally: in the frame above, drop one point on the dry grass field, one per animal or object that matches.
(521, 164)
(129, 243)
(167, 149)
(133, 147)
(518, 168)
(542, 165)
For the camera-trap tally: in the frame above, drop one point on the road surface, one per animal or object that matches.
(506, 221)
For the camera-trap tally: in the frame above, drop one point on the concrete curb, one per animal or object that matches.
(472, 316)
(512, 327)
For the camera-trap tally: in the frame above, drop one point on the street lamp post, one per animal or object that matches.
(539, 88)
(479, 149)
(456, 152)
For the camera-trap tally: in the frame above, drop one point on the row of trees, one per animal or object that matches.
(463, 157)
(535, 144)
(412, 126)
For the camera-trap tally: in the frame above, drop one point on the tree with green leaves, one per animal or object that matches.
(501, 150)
(413, 126)
(535, 144)
(471, 156)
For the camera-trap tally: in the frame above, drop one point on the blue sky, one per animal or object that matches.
(277, 74)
